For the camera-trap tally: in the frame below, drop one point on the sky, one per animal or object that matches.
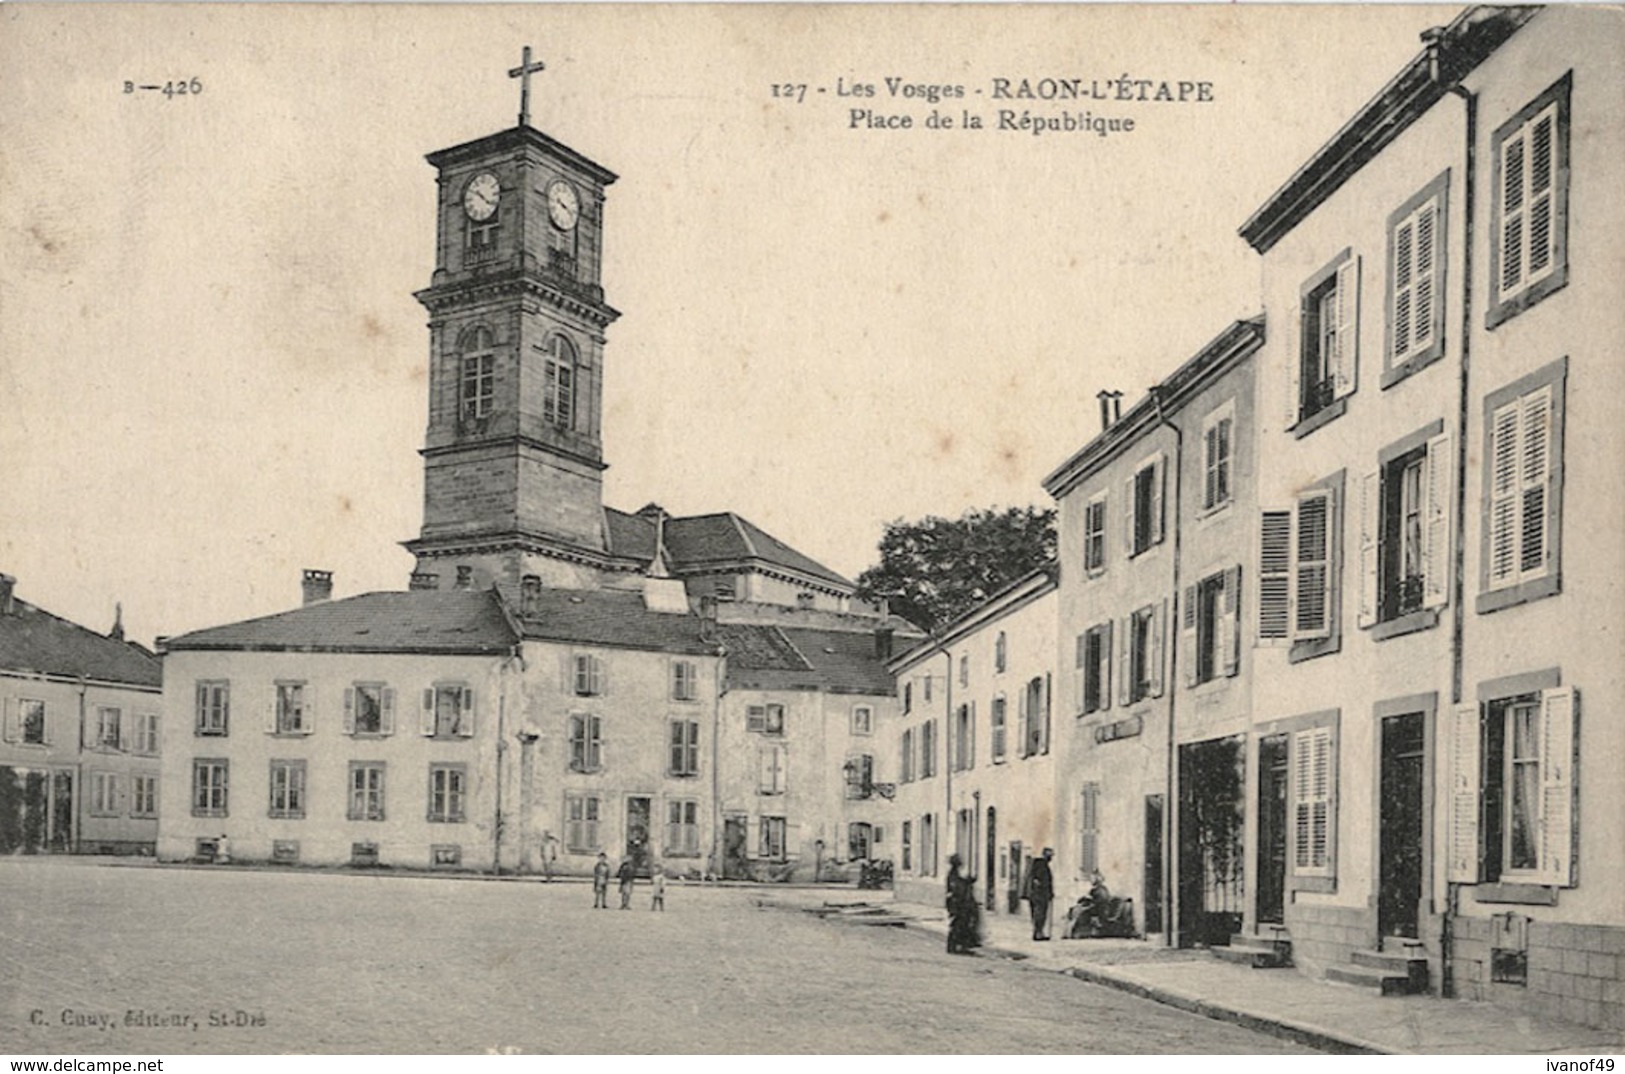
(212, 369)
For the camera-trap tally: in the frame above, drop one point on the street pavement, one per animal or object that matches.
(98, 958)
(1286, 1003)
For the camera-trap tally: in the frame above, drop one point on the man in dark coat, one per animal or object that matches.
(624, 874)
(1040, 892)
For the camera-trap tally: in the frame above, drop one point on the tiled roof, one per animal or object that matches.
(752, 647)
(416, 621)
(35, 641)
(726, 538)
(839, 661)
(719, 540)
(616, 618)
(631, 536)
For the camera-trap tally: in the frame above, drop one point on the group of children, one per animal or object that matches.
(625, 875)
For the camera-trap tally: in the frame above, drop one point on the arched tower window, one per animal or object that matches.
(559, 388)
(477, 383)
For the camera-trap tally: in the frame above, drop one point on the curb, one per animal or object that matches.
(1311, 1036)
(1283, 1028)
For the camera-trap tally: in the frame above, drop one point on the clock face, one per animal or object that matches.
(562, 205)
(480, 199)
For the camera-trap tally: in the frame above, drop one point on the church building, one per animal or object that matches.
(554, 682)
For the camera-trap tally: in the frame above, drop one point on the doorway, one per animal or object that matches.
(1210, 841)
(36, 811)
(637, 834)
(992, 853)
(1399, 886)
(1151, 887)
(733, 849)
(1272, 786)
(1013, 892)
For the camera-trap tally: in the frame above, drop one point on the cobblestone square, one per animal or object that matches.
(160, 960)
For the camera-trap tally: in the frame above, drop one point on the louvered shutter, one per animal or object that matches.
(1125, 673)
(426, 715)
(970, 744)
(465, 712)
(1187, 637)
(1157, 474)
(1045, 687)
(1275, 577)
(1159, 623)
(1344, 358)
(1312, 568)
(1541, 237)
(1534, 482)
(1230, 623)
(1089, 829)
(1370, 503)
(1081, 673)
(1465, 862)
(1128, 517)
(349, 710)
(1426, 238)
(271, 710)
(12, 732)
(753, 836)
(1558, 757)
(1514, 210)
(1436, 560)
(1106, 665)
(1023, 717)
(388, 694)
(595, 742)
(1505, 499)
(792, 841)
(1300, 801)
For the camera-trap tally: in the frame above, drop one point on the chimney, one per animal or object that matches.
(8, 585)
(1117, 407)
(465, 577)
(423, 581)
(318, 586)
(530, 596)
(883, 643)
(708, 618)
(117, 633)
(1105, 398)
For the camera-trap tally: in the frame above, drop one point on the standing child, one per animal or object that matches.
(659, 882)
(600, 883)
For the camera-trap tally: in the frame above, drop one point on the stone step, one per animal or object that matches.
(1257, 958)
(1381, 981)
(1397, 962)
(1278, 942)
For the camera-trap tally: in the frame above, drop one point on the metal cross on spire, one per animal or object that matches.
(523, 73)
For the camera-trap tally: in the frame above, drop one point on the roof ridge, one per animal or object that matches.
(740, 524)
(794, 648)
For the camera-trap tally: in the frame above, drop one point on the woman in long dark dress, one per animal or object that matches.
(964, 926)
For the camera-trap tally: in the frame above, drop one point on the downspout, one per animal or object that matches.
(1169, 888)
(1432, 40)
(514, 655)
(716, 765)
(947, 759)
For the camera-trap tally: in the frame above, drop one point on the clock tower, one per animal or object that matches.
(513, 455)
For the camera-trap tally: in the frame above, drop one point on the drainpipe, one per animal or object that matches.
(947, 759)
(1169, 888)
(514, 655)
(1433, 40)
(716, 765)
